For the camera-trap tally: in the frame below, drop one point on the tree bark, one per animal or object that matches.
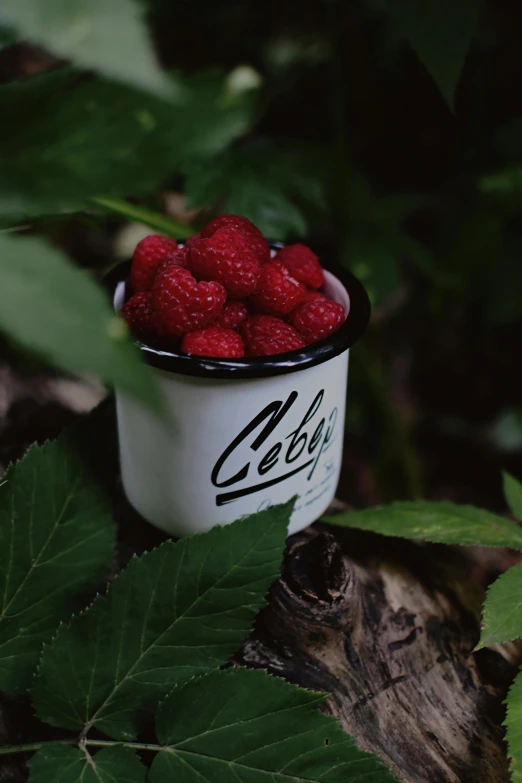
(387, 628)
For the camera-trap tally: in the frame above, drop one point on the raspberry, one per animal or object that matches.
(316, 320)
(226, 257)
(179, 258)
(136, 312)
(148, 257)
(255, 238)
(278, 291)
(180, 304)
(190, 242)
(314, 296)
(265, 335)
(303, 264)
(232, 315)
(214, 341)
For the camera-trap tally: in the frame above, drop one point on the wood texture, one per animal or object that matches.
(388, 628)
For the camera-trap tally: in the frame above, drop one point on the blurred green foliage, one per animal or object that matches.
(109, 37)
(68, 137)
(385, 132)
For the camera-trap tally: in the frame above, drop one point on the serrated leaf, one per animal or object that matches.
(110, 37)
(513, 494)
(439, 523)
(177, 611)
(56, 538)
(502, 612)
(247, 726)
(65, 139)
(513, 724)
(56, 763)
(440, 34)
(50, 306)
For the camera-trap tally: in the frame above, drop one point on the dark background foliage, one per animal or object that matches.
(388, 137)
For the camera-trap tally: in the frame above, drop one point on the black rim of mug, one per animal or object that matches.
(263, 366)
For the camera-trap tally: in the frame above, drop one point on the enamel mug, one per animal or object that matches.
(242, 434)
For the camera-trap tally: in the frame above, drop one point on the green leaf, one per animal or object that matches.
(502, 183)
(502, 613)
(407, 247)
(279, 187)
(513, 494)
(439, 523)
(107, 36)
(513, 724)
(178, 611)
(369, 257)
(55, 763)
(65, 139)
(56, 538)
(155, 220)
(7, 38)
(440, 34)
(245, 725)
(273, 212)
(52, 307)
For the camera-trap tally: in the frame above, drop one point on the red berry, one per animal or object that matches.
(136, 312)
(278, 292)
(180, 304)
(316, 320)
(265, 335)
(256, 239)
(314, 296)
(179, 258)
(303, 264)
(150, 253)
(233, 314)
(226, 257)
(191, 241)
(214, 341)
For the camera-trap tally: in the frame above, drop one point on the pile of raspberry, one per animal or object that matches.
(223, 295)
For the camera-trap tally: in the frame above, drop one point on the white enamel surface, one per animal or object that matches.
(171, 472)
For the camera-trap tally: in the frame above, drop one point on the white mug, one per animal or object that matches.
(242, 434)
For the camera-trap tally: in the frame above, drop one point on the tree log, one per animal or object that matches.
(387, 628)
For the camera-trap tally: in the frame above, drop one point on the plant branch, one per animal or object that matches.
(31, 747)
(134, 745)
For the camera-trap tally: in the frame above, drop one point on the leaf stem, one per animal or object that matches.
(30, 747)
(134, 745)
(14, 229)
(156, 220)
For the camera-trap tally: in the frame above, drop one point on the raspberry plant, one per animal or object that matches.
(150, 646)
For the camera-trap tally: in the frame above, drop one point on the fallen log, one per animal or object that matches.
(387, 628)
